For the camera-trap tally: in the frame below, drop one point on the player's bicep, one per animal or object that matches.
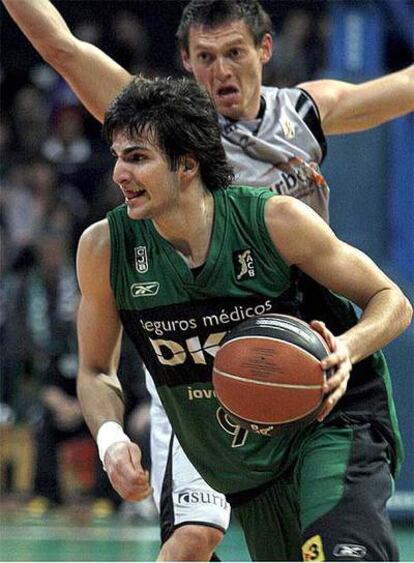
(99, 335)
(343, 106)
(346, 270)
(303, 239)
(98, 322)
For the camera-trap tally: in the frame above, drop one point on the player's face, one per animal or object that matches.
(227, 63)
(143, 174)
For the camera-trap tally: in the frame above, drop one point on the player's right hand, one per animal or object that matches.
(125, 472)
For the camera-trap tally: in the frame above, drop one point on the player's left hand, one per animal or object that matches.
(339, 362)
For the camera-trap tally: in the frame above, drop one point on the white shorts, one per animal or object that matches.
(180, 493)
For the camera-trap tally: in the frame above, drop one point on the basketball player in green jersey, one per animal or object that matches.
(324, 487)
(276, 141)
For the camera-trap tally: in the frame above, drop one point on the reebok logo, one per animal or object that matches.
(146, 289)
(349, 550)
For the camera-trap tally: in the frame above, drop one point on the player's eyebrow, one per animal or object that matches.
(207, 44)
(128, 150)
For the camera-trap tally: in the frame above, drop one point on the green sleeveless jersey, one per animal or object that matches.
(177, 321)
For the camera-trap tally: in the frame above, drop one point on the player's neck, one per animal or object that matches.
(189, 228)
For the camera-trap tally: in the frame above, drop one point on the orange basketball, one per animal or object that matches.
(267, 373)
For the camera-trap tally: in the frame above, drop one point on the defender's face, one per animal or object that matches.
(227, 63)
(143, 174)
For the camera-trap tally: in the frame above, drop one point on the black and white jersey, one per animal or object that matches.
(282, 149)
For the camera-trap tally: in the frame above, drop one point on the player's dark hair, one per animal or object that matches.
(213, 13)
(177, 117)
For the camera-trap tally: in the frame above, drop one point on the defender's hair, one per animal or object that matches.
(213, 13)
(177, 117)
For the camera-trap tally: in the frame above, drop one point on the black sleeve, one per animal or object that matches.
(312, 119)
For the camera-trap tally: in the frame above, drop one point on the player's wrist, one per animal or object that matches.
(109, 433)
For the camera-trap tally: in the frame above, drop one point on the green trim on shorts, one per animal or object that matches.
(321, 467)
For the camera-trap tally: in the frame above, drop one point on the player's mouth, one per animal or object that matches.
(133, 195)
(228, 94)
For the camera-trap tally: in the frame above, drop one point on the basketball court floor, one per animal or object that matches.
(72, 535)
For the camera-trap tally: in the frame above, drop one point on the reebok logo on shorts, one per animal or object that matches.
(312, 549)
(349, 550)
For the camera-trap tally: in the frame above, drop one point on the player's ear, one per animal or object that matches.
(266, 48)
(185, 59)
(189, 166)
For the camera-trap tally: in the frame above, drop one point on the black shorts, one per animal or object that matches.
(332, 505)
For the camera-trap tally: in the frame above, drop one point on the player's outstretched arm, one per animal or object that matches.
(346, 108)
(305, 240)
(95, 77)
(99, 390)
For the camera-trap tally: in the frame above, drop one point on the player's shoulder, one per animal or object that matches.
(286, 210)
(237, 191)
(282, 95)
(95, 239)
(93, 260)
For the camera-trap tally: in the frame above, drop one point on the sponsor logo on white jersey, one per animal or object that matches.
(288, 128)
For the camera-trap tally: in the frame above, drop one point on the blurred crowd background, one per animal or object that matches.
(55, 176)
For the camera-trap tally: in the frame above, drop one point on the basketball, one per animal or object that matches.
(267, 374)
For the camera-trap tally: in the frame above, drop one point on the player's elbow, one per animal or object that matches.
(407, 313)
(403, 310)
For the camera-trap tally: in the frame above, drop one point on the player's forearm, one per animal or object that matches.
(100, 398)
(347, 108)
(387, 315)
(381, 100)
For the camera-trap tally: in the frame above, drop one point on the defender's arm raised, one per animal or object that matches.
(94, 76)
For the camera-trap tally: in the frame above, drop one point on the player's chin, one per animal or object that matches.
(229, 110)
(138, 213)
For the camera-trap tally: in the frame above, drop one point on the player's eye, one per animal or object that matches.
(235, 53)
(204, 57)
(135, 157)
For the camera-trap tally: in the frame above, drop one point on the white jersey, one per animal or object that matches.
(281, 150)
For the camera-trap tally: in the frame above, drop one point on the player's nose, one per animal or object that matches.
(121, 173)
(221, 69)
